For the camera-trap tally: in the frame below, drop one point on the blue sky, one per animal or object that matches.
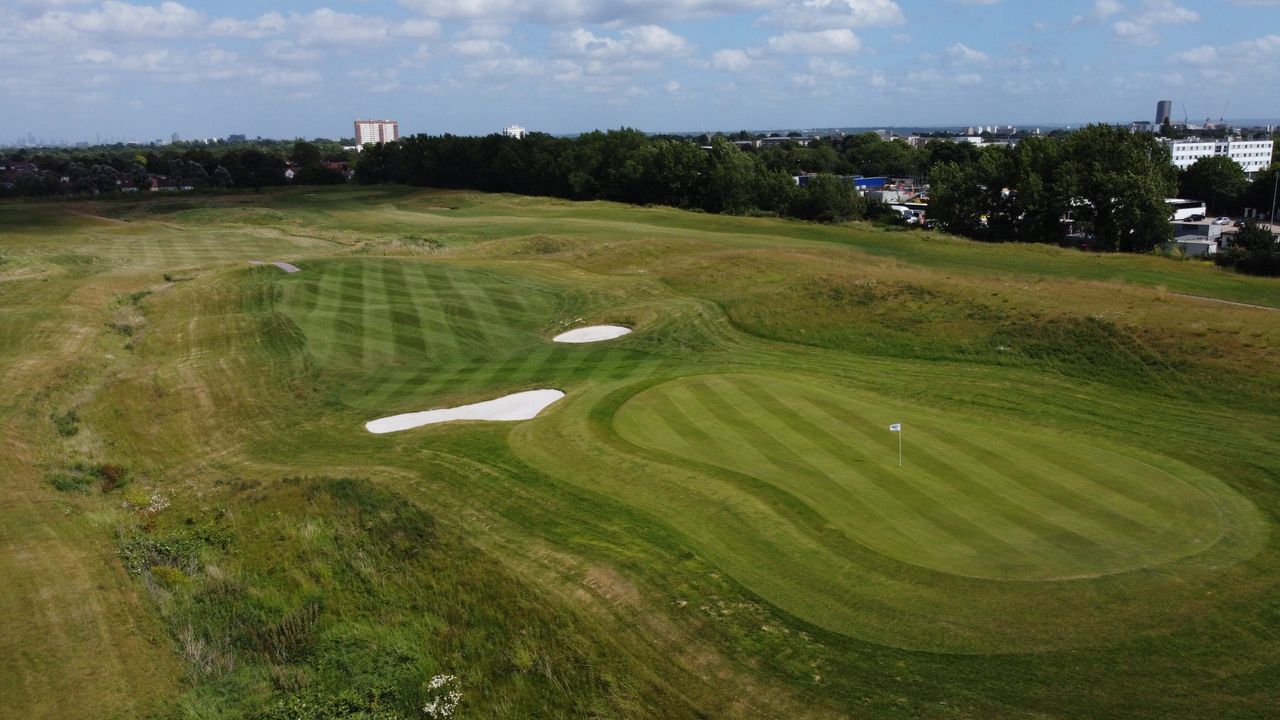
(74, 69)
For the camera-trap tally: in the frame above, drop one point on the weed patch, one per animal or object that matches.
(83, 476)
(67, 424)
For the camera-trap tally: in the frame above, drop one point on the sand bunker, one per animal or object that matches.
(282, 265)
(520, 406)
(595, 333)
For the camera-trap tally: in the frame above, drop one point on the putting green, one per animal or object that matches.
(986, 502)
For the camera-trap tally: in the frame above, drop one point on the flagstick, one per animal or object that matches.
(899, 448)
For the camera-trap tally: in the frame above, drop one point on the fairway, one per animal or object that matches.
(986, 502)
(220, 499)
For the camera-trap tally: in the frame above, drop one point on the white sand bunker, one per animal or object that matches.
(595, 333)
(520, 406)
(287, 267)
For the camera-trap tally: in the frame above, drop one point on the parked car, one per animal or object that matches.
(1222, 221)
(1196, 218)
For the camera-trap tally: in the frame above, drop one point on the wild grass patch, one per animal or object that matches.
(82, 477)
(67, 423)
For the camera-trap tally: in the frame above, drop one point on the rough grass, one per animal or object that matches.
(707, 526)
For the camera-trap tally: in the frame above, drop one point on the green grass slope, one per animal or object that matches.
(712, 523)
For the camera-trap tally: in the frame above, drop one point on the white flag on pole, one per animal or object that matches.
(896, 427)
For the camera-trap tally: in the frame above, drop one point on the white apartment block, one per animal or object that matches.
(1252, 155)
(514, 131)
(376, 132)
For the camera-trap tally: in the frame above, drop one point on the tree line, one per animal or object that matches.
(1102, 183)
(1102, 187)
(621, 165)
(109, 168)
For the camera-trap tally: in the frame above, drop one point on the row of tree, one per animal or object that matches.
(1255, 250)
(623, 165)
(1107, 183)
(1222, 184)
(101, 169)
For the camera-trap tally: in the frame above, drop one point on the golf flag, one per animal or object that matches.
(896, 427)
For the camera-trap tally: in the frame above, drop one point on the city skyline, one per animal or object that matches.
(84, 69)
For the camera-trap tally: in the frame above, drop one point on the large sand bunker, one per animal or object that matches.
(520, 406)
(595, 333)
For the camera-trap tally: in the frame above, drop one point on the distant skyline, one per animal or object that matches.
(77, 69)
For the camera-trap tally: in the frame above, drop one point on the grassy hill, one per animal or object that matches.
(712, 523)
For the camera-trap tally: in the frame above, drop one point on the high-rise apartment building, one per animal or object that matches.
(376, 132)
(1163, 109)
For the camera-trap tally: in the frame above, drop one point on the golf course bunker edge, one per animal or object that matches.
(518, 406)
(591, 334)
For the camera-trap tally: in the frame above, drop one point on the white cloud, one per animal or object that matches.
(1258, 54)
(480, 48)
(821, 42)
(604, 12)
(827, 14)
(963, 54)
(829, 68)
(731, 60)
(286, 51)
(645, 40)
(166, 20)
(1102, 9)
(272, 23)
(289, 78)
(417, 29)
(328, 27)
(1140, 28)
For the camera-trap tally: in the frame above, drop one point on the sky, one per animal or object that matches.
(124, 70)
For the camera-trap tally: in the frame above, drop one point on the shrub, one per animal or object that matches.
(64, 481)
(170, 577)
(67, 424)
(373, 704)
(79, 476)
(111, 476)
(180, 549)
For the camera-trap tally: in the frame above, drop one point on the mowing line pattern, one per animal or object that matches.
(974, 501)
(398, 334)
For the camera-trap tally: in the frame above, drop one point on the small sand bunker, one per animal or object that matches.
(595, 333)
(520, 406)
(282, 265)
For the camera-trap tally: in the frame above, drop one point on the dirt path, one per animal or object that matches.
(1226, 302)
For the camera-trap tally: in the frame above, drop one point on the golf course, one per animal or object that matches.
(322, 453)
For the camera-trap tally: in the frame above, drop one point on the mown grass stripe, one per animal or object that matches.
(1143, 522)
(348, 319)
(860, 498)
(1038, 532)
(406, 322)
(458, 314)
(931, 522)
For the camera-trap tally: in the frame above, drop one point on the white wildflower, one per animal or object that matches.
(446, 696)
